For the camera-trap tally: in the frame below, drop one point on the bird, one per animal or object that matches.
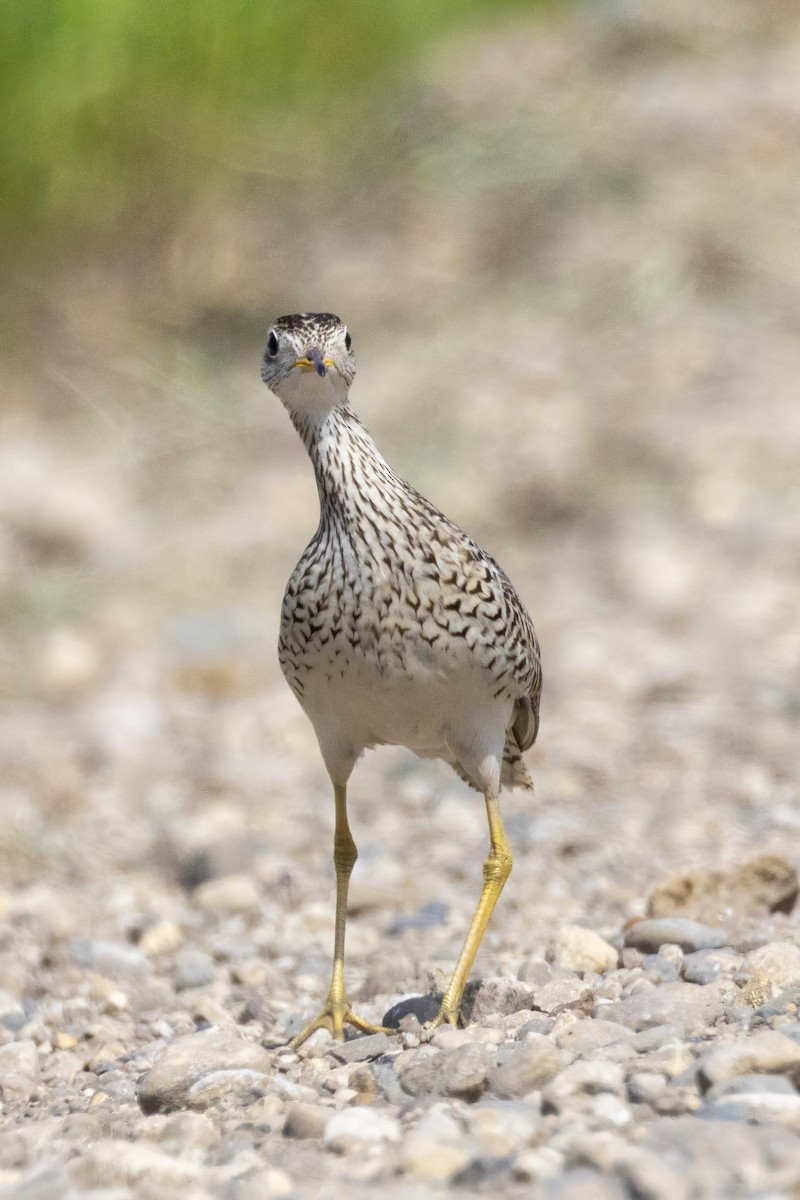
(396, 629)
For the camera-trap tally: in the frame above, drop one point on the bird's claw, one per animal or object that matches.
(333, 1017)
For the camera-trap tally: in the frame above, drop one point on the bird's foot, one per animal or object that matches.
(445, 1016)
(333, 1017)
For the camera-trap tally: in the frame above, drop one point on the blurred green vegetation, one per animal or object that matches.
(114, 108)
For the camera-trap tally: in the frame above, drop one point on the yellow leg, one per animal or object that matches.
(337, 1011)
(496, 871)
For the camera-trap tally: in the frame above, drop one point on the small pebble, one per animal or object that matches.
(583, 1036)
(193, 969)
(502, 1129)
(306, 1121)
(496, 997)
(574, 948)
(361, 1049)
(229, 893)
(187, 1060)
(764, 1052)
(776, 963)
(436, 1149)
(691, 1007)
(704, 966)
(160, 938)
(649, 935)
(349, 1131)
(532, 1063)
(562, 993)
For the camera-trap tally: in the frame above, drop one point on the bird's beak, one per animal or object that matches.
(314, 362)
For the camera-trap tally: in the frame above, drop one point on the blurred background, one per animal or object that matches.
(566, 239)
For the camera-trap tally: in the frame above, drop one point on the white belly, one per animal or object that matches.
(434, 712)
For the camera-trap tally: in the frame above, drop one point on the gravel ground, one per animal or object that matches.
(626, 443)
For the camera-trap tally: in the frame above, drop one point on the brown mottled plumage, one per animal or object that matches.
(396, 627)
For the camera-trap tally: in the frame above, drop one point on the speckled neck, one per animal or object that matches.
(352, 475)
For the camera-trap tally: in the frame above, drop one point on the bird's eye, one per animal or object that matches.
(348, 341)
(272, 344)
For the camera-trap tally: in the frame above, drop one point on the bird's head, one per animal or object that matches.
(308, 362)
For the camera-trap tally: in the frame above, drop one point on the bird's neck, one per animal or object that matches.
(351, 473)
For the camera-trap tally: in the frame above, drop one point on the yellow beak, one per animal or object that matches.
(305, 364)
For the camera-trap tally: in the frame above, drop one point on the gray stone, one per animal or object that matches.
(90, 1126)
(785, 1004)
(647, 1040)
(290, 1089)
(756, 1107)
(509, 1026)
(450, 1037)
(536, 1024)
(437, 1149)
(10, 1006)
(264, 1183)
(676, 1100)
(777, 963)
(188, 1129)
(15, 1150)
(535, 1166)
(531, 1064)
(349, 1131)
(574, 948)
(193, 968)
(778, 1085)
(483, 1170)
(660, 969)
(228, 894)
(562, 993)
(765, 1052)
(601, 1108)
(461, 1072)
(673, 1059)
(645, 1086)
(590, 1034)
(651, 934)
(387, 1081)
(228, 1088)
(690, 1007)
(151, 1171)
(361, 1049)
(650, 1178)
(619, 1051)
(791, 1030)
(704, 966)
(306, 1121)
(13, 1021)
(188, 1059)
(16, 1088)
(535, 971)
(465, 1072)
(582, 1183)
(430, 914)
(49, 1184)
(495, 997)
(19, 1058)
(419, 1071)
(587, 1077)
(107, 957)
(502, 1129)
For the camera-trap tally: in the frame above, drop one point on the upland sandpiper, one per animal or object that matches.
(396, 629)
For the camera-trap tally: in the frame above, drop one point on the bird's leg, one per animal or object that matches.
(496, 871)
(337, 1010)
